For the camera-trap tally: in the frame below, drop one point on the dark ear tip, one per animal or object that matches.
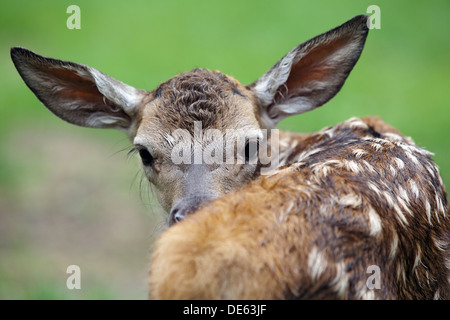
(19, 52)
(15, 51)
(361, 21)
(361, 17)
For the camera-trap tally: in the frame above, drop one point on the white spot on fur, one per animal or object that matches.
(440, 206)
(400, 215)
(388, 198)
(384, 143)
(423, 151)
(350, 200)
(431, 171)
(329, 132)
(317, 263)
(399, 162)
(333, 162)
(412, 157)
(340, 282)
(393, 136)
(376, 146)
(428, 211)
(374, 188)
(394, 246)
(437, 295)
(393, 171)
(417, 260)
(374, 222)
(356, 123)
(404, 205)
(352, 166)
(359, 153)
(403, 194)
(321, 168)
(415, 190)
(441, 245)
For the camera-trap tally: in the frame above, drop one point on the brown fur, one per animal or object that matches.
(217, 101)
(307, 232)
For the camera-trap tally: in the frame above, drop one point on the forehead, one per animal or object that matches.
(216, 100)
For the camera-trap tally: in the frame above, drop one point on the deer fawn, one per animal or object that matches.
(340, 202)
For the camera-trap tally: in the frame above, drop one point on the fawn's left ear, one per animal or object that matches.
(79, 94)
(310, 74)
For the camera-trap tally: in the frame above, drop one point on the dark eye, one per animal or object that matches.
(147, 158)
(251, 151)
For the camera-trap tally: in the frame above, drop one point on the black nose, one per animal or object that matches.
(184, 207)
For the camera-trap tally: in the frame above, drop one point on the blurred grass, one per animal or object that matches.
(402, 76)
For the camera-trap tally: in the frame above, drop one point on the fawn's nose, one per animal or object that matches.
(184, 207)
(177, 214)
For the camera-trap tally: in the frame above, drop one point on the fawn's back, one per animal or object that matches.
(357, 197)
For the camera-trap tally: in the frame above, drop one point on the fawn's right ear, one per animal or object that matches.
(79, 94)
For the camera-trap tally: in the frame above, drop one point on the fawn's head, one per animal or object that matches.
(188, 131)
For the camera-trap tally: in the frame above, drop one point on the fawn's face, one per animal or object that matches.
(200, 133)
(194, 134)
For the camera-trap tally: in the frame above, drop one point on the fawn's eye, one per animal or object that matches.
(146, 157)
(251, 151)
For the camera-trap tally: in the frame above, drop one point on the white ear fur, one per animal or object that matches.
(267, 85)
(128, 97)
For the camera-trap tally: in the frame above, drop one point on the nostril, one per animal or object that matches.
(185, 207)
(177, 214)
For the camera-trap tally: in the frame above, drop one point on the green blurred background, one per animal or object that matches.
(70, 195)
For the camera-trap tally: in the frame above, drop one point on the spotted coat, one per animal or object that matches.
(350, 200)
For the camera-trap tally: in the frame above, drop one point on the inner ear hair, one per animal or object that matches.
(312, 73)
(77, 93)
